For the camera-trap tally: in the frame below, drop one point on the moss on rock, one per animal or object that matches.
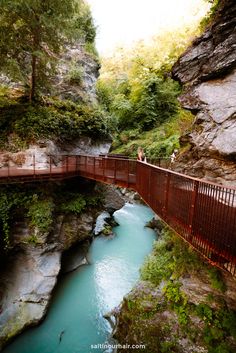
(179, 306)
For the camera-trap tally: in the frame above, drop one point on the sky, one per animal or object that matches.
(121, 22)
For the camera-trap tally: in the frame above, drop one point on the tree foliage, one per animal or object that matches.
(24, 123)
(136, 87)
(33, 33)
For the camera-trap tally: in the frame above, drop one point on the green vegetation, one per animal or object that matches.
(33, 240)
(40, 213)
(33, 34)
(9, 200)
(165, 262)
(17, 202)
(165, 310)
(75, 74)
(22, 123)
(75, 203)
(207, 20)
(38, 206)
(136, 90)
(160, 141)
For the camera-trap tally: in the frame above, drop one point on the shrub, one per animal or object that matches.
(40, 213)
(74, 205)
(75, 73)
(55, 119)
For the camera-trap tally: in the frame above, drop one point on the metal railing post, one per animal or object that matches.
(115, 171)
(86, 164)
(149, 184)
(103, 167)
(8, 168)
(193, 204)
(128, 173)
(50, 165)
(67, 164)
(167, 188)
(34, 164)
(94, 160)
(76, 164)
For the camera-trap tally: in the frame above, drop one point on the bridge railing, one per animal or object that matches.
(105, 169)
(108, 170)
(203, 213)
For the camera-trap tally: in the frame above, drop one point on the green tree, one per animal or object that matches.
(32, 35)
(155, 101)
(135, 85)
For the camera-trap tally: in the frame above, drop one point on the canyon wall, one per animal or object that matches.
(207, 71)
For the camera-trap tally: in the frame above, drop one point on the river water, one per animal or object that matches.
(75, 318)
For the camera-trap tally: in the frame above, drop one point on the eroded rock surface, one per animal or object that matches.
(30, 275)
(28, 282)
(77, 75)
(208, 72)
(44, 152)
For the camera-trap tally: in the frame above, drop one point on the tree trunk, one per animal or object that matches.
(33, 78)
(34, 59)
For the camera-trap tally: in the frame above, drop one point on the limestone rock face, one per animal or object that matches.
(75, 78)
(208, 72)
(41, 153)
(28, 284)
(27, 281)
(151, 321)
(77, 75)
(213, 53)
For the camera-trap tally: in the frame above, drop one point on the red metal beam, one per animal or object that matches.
(202, 213)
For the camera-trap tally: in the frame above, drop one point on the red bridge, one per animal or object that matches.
(202, 213)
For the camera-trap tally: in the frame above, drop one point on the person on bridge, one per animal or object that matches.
(141, 155)
(173, 156)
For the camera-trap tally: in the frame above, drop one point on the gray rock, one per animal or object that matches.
(74, 61)
(82, 88)
(213, 53)
(207, 71)
(27, 282)
(86, 145)
(75, 257)
(27, 286)
(44, 152)
(101, 223)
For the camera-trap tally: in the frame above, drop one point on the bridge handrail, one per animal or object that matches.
(201, 212)
(194, 178)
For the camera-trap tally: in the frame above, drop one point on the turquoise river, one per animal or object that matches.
(75, 319)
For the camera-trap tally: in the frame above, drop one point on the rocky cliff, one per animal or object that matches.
(30, 272)
(207, 71)
(77, 74)
(75, 77)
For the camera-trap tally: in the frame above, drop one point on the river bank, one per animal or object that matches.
(182, 305)
(32, 265)
(75, 319)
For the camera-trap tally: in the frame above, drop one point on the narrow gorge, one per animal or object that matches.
(170, 95)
